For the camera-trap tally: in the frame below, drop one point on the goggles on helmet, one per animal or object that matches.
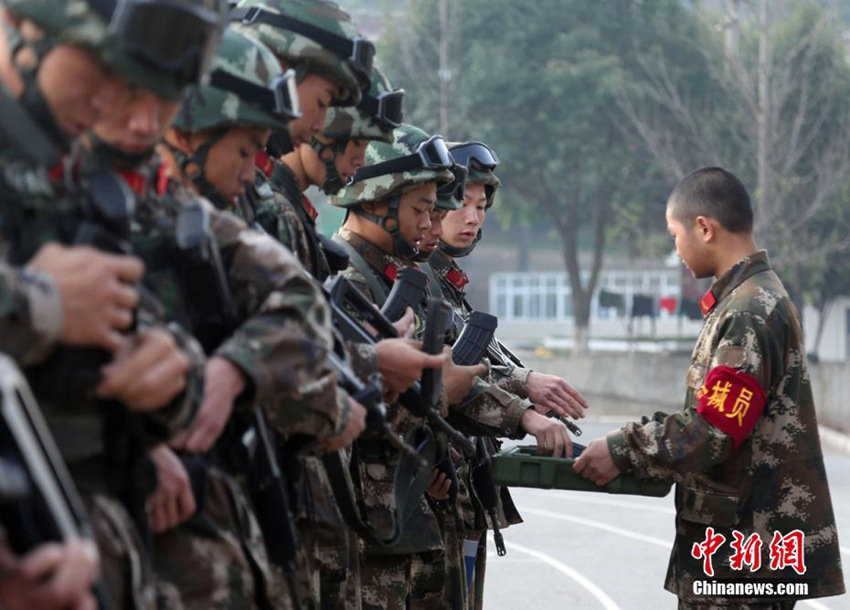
(359, 52)
(457, 187)
(386, 109)
(481, 155)
(431, 154)
(172, 36)
(280, 97)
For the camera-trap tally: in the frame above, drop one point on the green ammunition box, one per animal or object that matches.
(521, 467)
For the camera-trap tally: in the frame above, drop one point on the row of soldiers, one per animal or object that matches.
(164, 292)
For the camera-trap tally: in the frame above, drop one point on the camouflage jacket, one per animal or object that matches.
(449, 280)
(744, 451)
(493, 411)
(281, 331)
(286, 214)
(377, 465)
(40, 205)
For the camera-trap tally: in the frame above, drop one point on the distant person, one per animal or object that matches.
(752, 500)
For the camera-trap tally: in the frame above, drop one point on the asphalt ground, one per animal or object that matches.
(595, 550)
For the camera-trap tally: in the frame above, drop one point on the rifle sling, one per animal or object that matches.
(379, 291)
(409, 485)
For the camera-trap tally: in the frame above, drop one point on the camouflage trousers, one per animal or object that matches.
(694, 605)
(396, 582)
(125, 569)
(217, 559)
(328, 567)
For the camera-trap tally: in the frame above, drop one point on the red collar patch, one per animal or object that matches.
(707, 303)
(311, 210)
(55, 173)
(458, 278)
(391, 272)
(134, 180)
(264, 163)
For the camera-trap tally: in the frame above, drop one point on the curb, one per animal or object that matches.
(834, 439)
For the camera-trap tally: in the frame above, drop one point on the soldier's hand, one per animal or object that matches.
(552, 436)
(147, 372)
(595, 463)
(96, 293)
(172, 502)
(439, 486)
(404, 325)
(354, 428)
(223, 383)
(552, 393)
(458, 380)
(401, 362)
(52, 577)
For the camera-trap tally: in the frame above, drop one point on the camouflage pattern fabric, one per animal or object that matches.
(224, 546)
(406, 140)
(77, 22)
(744, 451)
(244, 57)
(30, 314)
(125, 567)
(346, 123)
(302, 53)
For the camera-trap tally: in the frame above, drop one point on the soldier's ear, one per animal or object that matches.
(706, 228)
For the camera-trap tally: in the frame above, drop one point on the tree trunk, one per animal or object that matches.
(763, 113)
(445, 73)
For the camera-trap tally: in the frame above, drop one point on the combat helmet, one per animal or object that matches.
(374, 118)
(480, 162)
(313, 37)
(246, 88)
(411, 160)
(161, 45)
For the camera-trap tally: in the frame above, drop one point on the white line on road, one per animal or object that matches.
(599, 525)
(615, 530)
(578, 497)
(599, 594)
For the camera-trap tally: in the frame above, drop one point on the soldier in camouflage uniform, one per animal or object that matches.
(328, 163)
(51, 92)
(391, 211)
(744, 451)
(460, 232)
(222, 541)
(317, 40)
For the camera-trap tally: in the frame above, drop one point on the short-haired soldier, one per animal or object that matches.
(744, 450)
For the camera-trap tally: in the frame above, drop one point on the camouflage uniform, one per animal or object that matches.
(744, 450)
(433, 577)
(280, 208)
(447, 278)
(91, 433)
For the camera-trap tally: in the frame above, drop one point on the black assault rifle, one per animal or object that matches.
(38, 500)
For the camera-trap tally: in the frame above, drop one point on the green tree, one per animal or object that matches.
(540, 82)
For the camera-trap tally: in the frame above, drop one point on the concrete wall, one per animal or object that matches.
(633, 384)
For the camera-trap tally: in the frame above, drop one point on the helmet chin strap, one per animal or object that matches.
(333, 181)
(391, 225)
(460, 252)
(279, 144)
(192, 167)
(33, 99)
(108, 155)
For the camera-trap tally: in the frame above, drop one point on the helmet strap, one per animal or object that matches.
(460, 252)
(192, 167)
(332, 183)
(108, 155)
(390, 224)
(33, 99)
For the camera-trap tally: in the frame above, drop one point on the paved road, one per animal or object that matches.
(585, 550)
